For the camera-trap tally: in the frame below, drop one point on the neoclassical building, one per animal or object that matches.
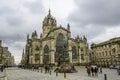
(53, 45)
(106, 53)
(6, 58)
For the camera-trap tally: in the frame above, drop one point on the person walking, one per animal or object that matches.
(1, 68)
(100, 69)
(96, 71)
(88, 70)
(92, 70)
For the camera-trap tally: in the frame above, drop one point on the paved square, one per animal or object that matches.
(21, 74)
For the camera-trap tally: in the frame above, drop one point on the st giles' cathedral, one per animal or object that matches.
(53, 45)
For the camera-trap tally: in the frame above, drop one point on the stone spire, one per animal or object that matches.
(0, 42)
(41, 35)
(34, 35)
(49, 12)
(68, 27)
(23, 53)
(49, 20)
(27, 36)
(84, 38)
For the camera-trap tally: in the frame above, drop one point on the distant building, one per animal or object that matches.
(5, 56)
(1, 51)
(49, 48)
(106, 53)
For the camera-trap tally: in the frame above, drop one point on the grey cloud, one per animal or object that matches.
(101, 14)
(5, 10)
(15, 21)
(11, 38)
(11, 16)
(35, 7)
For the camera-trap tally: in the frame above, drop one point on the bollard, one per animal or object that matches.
(64, 75)
(50, 72)
(38, 69)
(105, 77)
(56, 73)
(41, 69)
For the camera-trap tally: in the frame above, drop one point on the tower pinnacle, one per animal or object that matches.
(49, 11)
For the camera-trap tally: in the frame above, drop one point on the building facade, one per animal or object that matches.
(1, 51)
(106, 53)
(49, 47)
(6, 58)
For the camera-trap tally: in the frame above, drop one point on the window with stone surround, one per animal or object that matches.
(74, 52)
(46, 55)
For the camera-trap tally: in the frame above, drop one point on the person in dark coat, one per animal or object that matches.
(1, 68)
(88, 70)
(96, 71)
(92, 70)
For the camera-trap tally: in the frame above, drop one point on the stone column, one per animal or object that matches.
(52, 51)
(70, 55)
(41, 57)
(52, 57)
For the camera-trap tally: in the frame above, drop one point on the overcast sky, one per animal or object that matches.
(99, 20)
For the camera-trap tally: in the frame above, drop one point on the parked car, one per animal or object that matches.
(117, 67)
(118, 70)
(112, 67)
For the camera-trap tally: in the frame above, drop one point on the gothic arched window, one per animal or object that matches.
(59, 43)
(59, 47)
(46, 55)
(74, 53)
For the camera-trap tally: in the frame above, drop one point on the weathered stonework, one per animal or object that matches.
(106, 53)
(6, 58)
(47, 48)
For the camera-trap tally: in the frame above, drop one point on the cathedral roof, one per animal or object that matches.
(57, 29)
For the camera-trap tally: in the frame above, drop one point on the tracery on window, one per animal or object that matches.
(46, 55)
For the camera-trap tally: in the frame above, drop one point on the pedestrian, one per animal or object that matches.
(45, 68)
(96, 71)
(88, 70)
(92, 70)
(100, 69)
(1, 68)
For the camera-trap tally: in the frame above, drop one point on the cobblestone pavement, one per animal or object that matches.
(2, 75)
(21, 74)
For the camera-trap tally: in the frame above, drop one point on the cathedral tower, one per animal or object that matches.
(49, 23)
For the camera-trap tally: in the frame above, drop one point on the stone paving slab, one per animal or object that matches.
(21, 74)
(3, 75)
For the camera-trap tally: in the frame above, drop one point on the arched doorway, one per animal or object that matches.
(46, 55)
(59, 49)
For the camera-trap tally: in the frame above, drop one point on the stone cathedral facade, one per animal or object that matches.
(48, 48)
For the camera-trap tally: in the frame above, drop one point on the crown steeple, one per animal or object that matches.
(49, 12)
(49, 20)
(49, 23)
